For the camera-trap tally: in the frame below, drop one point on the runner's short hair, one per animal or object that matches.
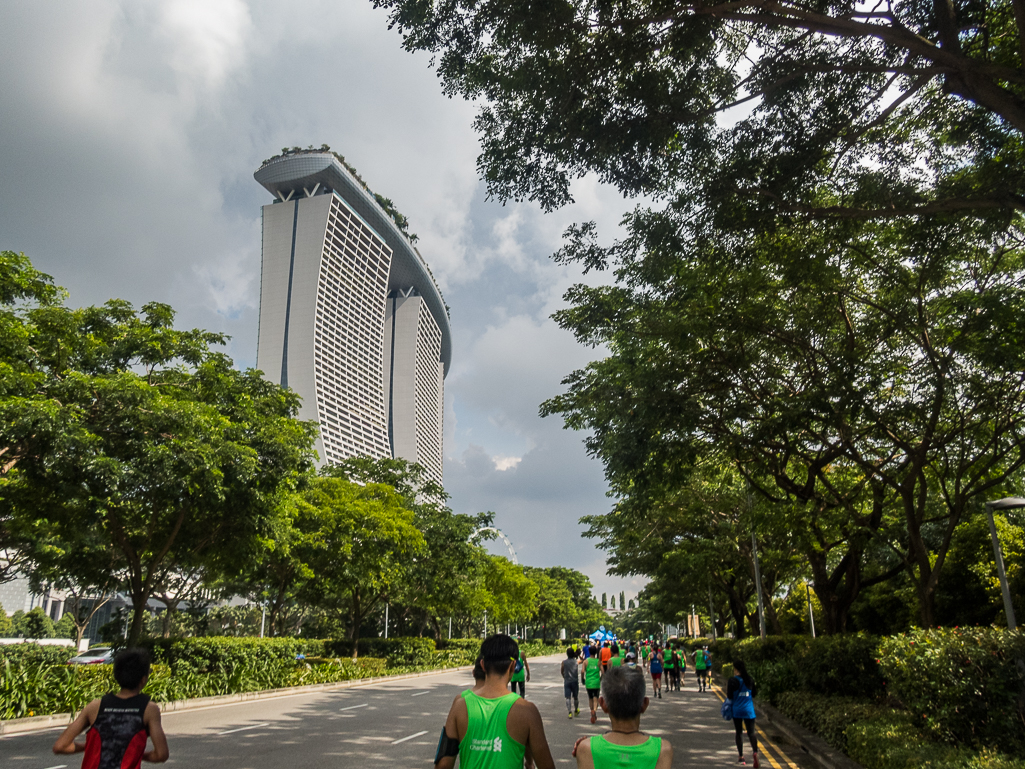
(497, 653)
(571, 652)
(130, 667)
(623, 689)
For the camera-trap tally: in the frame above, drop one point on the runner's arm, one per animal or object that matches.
(537, 743)
(582, 751)
(526, 667)
(151, 718)
(452, 730)
(66, 744)
(665, 757)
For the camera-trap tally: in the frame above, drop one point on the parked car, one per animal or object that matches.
(101, 655)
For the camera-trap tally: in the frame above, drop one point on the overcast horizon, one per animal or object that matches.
(128, 141)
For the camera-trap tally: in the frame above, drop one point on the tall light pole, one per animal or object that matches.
(811, 614)
(758, 585)
(386, 620)
(1008, 503)
(711, 611)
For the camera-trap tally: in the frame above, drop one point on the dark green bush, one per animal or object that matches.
(827, 716)
(773, 648)
(962, 684)
(471, 645)
(219, 655)
(31, 652)
(893, 740)
(843, 664)
(400, 652)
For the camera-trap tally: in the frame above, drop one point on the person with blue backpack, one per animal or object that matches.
(739, 706)
(521, 674)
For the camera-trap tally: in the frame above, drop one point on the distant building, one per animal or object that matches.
(350, 315)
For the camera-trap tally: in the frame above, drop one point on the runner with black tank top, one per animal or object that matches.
(119, 724)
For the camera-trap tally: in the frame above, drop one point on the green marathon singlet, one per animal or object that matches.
(667, 662)
(644, 652)
(606, 755)
(487, 744)
(520, 675)
(616, 662)
(592, 674)
(700, 660)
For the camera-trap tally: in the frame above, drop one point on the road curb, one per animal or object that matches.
(42, 723)
(813, 746)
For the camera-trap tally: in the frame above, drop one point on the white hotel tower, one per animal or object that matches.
(350, 316)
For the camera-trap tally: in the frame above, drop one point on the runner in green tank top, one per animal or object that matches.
(592, 682)
(625, 746)
(669, 665)
(489, 727)
(487, 742)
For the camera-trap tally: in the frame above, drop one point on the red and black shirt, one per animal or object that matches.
(117, 738)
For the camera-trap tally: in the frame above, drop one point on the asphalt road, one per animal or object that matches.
(397, 725)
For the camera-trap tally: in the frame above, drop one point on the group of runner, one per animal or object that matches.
(488, 726)
(491, 727)
(671, 662)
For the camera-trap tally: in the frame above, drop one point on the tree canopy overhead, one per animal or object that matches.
(845, 109)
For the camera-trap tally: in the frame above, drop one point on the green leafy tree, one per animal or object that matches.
(364, 549)
(555, 608)
(163, 450)
(871, 376)
(35, 624)
(511, 594)
(895, 109)
(65, 627)
(6, 626)
(445, 580)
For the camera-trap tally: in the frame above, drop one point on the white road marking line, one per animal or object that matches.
(243, 729)
(59, 766)
(418, 734)
(352, 707)
(420, 693)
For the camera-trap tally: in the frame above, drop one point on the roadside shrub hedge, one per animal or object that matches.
(36, 653)
(893, 740)
(471, 645)
(400, 652)
(30, 689)
(844, 665)
(962, 684)
(220, 654)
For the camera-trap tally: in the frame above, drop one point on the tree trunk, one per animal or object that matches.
(139, 596)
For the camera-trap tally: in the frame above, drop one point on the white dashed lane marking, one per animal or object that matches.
(243, 729)
(418, 734)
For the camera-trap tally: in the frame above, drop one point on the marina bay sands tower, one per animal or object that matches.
(350, 316)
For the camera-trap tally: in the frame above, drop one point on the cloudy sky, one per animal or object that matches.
(129, 134)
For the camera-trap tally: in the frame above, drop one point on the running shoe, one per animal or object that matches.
(755, 754)
(576, 712)
(594, 717)
(569, 715)
(742, 761)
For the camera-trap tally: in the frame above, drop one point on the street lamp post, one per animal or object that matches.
(1008, 503)
(811, 614)
(758, 586)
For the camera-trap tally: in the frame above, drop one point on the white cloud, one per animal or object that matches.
(505, 463)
